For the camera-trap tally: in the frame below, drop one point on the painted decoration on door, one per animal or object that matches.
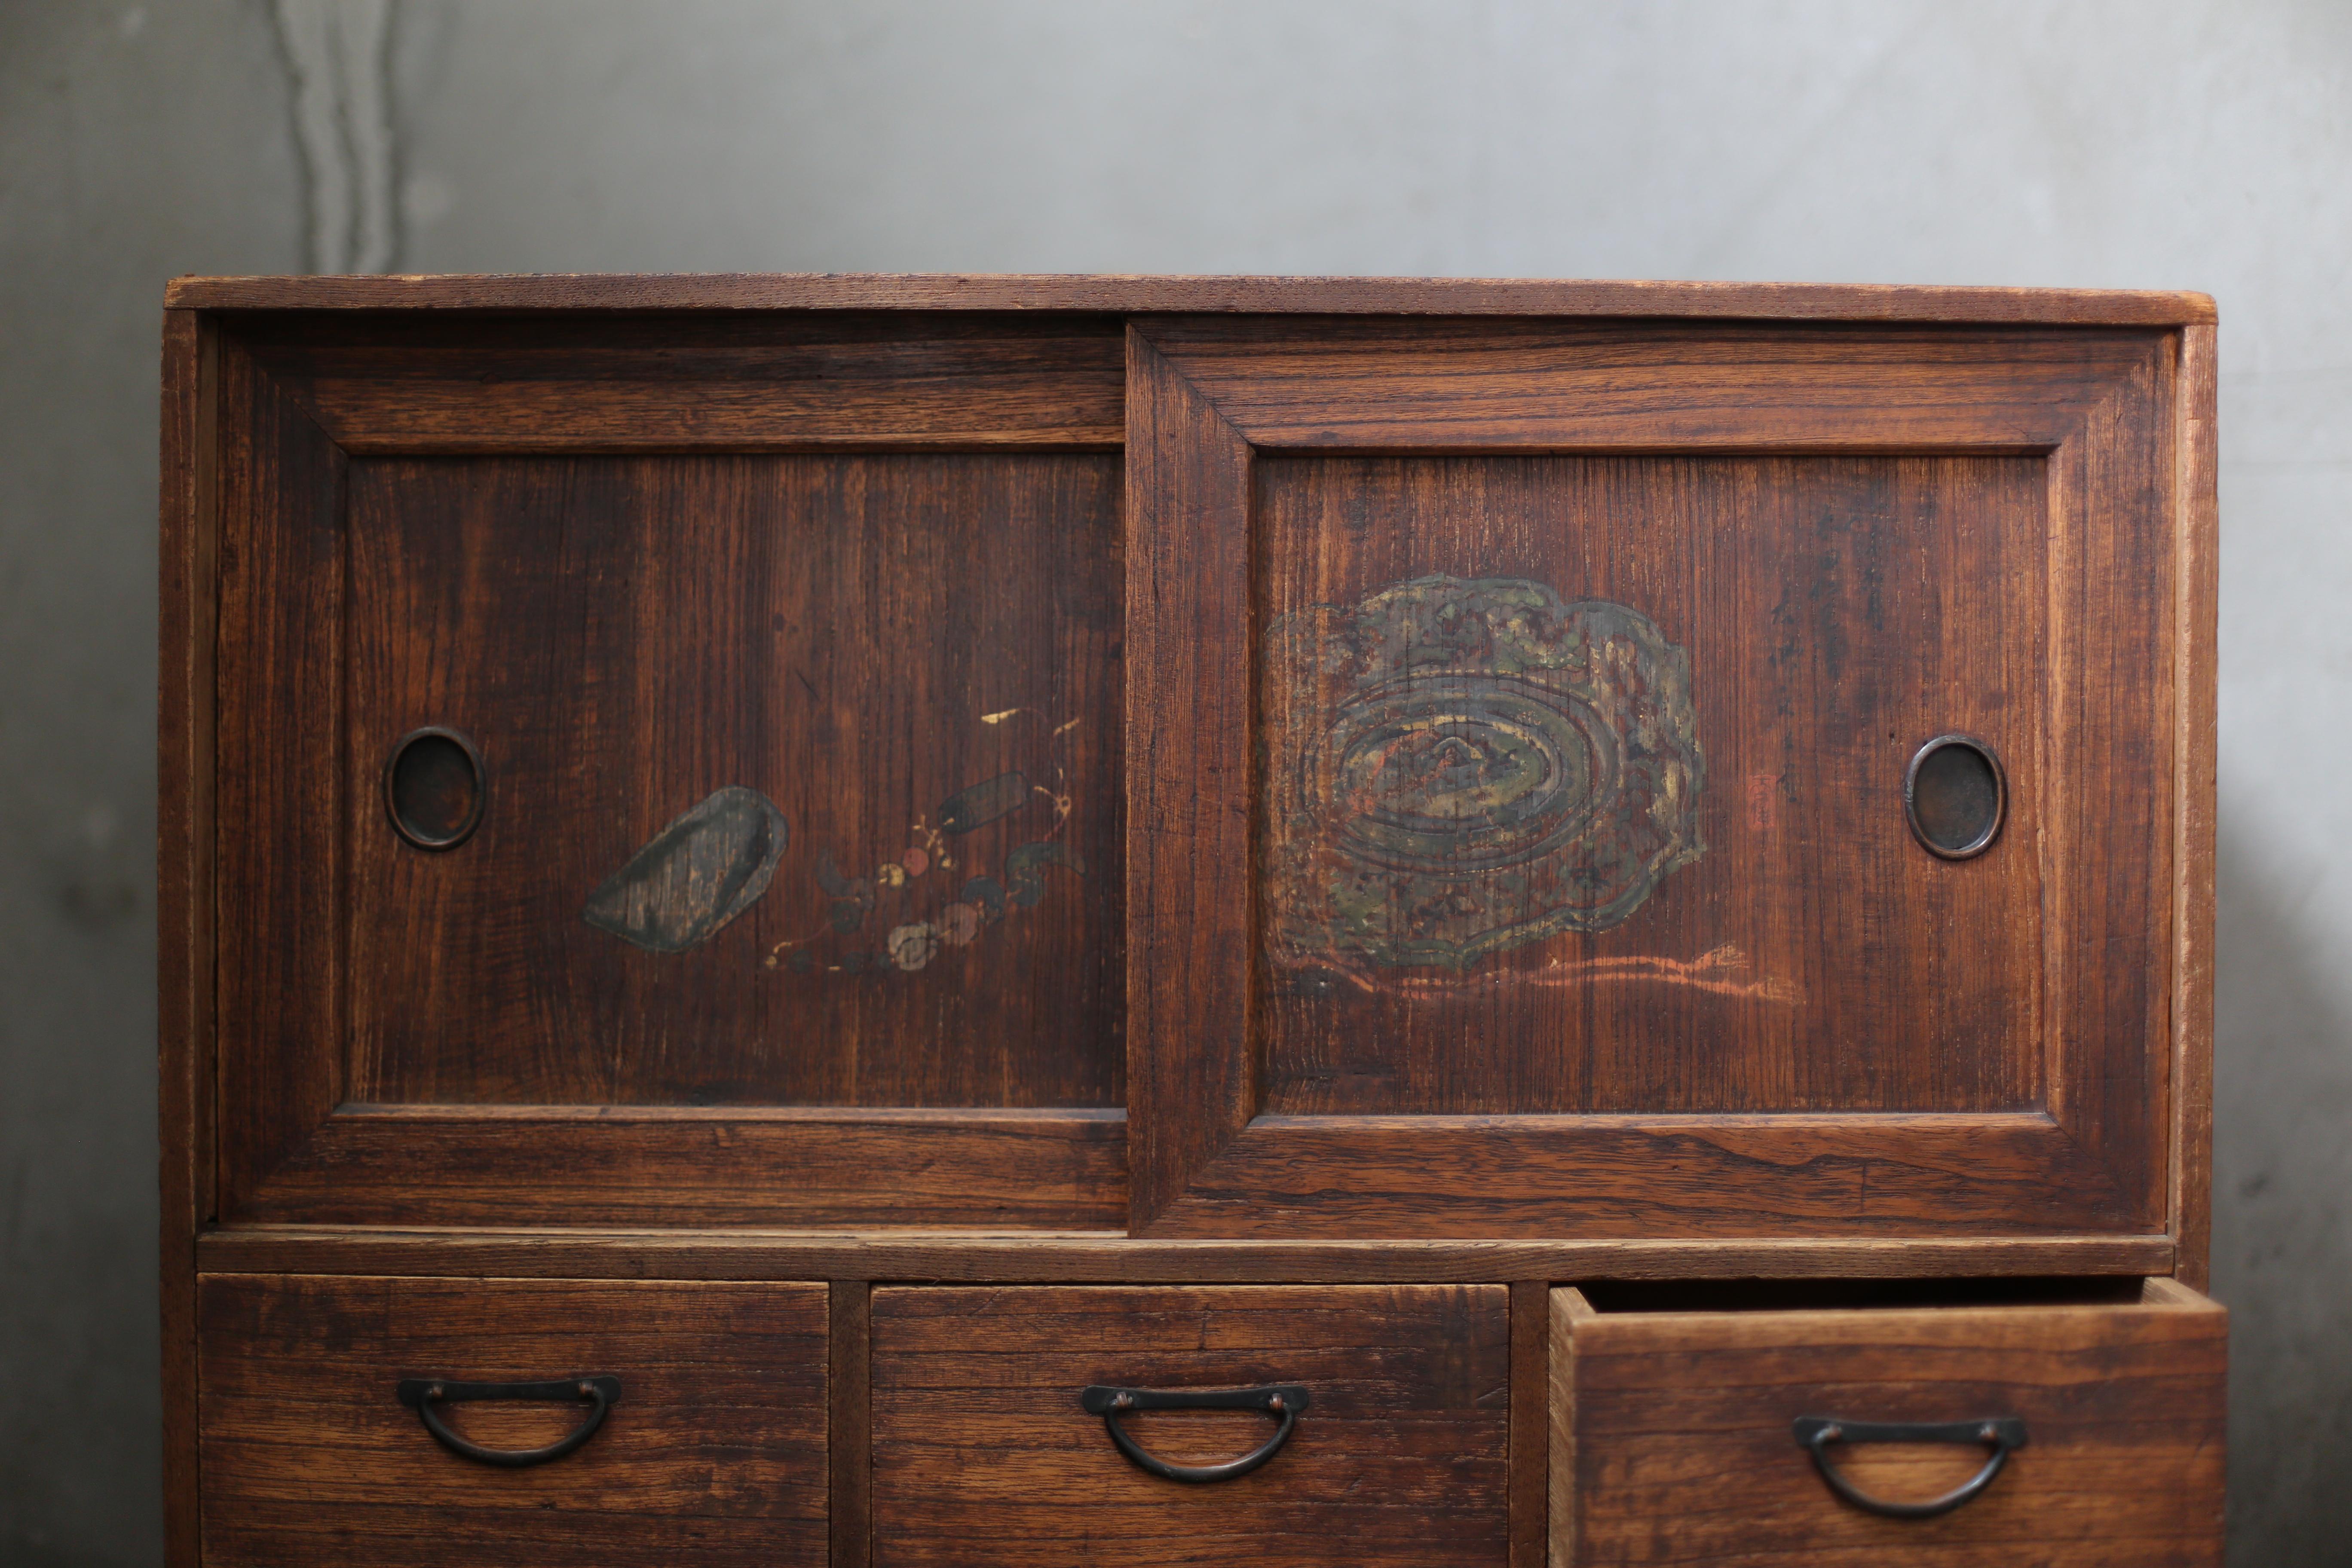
(716, 860)
(1457, 767)
(704, 869)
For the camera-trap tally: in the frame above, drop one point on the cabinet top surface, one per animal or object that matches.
(1135, 294)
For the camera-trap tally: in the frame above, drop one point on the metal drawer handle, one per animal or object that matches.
(421, 1393)
(1284, 1400)
(1815, 1433)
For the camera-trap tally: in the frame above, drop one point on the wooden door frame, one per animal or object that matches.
(292, 400)
(1206, 396)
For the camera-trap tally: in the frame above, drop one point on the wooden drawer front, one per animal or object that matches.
(716, 1446)
(1673, 1441)
(982, 1453)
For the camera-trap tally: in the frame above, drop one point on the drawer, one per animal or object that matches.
(982, 1452)
(1676, 1432)
(715, 1445)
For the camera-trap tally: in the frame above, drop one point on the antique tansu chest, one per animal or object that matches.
(1048, 922)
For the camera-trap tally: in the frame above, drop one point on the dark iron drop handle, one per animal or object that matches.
(1284, 1400)
(1816, 1433)
(422, 1394)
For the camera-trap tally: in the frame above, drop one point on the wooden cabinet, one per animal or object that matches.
(1032, 827)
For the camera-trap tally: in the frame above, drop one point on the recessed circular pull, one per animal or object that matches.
(1955, 795)
(432, 788)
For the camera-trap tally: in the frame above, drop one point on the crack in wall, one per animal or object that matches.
(338, 56)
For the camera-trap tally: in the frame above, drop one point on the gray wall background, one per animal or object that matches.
(2167, 143)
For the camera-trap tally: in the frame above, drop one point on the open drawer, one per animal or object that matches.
(2056, 1423)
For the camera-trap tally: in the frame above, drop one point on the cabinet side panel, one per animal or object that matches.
(2196, 509)
(183, 878)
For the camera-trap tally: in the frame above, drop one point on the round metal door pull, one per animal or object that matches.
(1954, 796)
(422, 1395)
(1282, 1400)
(1815, 1433)
(433, 787)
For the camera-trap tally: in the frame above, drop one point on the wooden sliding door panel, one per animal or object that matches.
(684, 818)
(1487, 891)
(1574, 877)
(903, 668)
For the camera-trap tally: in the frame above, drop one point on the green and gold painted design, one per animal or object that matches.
(1457, 767)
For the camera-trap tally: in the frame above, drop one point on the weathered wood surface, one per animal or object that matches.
(1675, 1441)
(849, 1450)
(2013, 573)
(594, 1165)
(1123, 295)
(1189, 758)
(2196, 648)
(403, 382)
(280, 893)
(185, 879)
(1687, 387)
(1804, 954)
(856, 638)
(716, 1449)
(1050, 1257)
(982, 1454)
(1531, 1422)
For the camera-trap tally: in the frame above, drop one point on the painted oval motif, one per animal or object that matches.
(1461, 772)
(1461, 767)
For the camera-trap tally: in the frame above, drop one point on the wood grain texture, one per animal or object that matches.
(1690, 387)
(1129, 294)
(2196, 651)
(597, 1165)
(184, 881)
(389, 384)
(1531, 1422)
(1569, 1311)
(2082, 563)
(859, 639)
(1035, 1258)
(981, 1452)
(1681, 1448)
(716, 1447)
(849, 1448)
(278, 812)
(1836, 614)
(2109, 842)
(1189, 785)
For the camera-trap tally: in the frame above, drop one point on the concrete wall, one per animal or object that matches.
(2143, 143)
